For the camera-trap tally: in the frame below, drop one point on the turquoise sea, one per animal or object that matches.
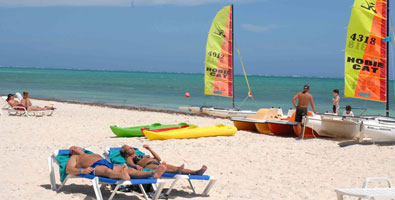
(166, 90)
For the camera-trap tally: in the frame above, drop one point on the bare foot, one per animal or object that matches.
(160, 170)
(202, 170)
(180, 168)
(125, 174)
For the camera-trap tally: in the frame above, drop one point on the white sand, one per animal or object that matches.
(247, 165)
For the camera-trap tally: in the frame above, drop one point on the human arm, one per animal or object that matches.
(294, 99)
(29, 103)
(312, 104)
(156, 156)
(130, 162)
(73, 170)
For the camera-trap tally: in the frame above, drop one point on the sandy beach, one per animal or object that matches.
(247, 165)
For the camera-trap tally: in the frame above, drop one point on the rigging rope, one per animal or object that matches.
(245, 75)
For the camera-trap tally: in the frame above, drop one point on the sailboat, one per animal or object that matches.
(366, 74)
(219, 66)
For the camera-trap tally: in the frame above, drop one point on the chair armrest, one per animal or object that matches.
(367, 180)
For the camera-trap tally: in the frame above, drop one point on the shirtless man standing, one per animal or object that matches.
(83, 163)
(304, 98)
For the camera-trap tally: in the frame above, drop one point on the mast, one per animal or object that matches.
(233, 66)
(387, 112)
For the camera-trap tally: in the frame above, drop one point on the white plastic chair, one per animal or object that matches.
(369, 193)
(211, 179)
(97, 180)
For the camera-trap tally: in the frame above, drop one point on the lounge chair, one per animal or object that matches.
(113, 155)
(60, 157)
(369, 193)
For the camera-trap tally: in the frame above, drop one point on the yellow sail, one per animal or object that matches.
(365, 54)
(218, 64)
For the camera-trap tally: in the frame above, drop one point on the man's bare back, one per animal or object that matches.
(304, 99)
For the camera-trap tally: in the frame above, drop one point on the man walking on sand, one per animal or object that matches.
(304, 98)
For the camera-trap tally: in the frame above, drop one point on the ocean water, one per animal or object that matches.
(166, 90)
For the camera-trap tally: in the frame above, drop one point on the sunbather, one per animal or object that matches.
(11, 100)
(140, 162)
(25, 102)
(83, 163)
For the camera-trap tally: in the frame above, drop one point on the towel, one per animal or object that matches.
(116, 158)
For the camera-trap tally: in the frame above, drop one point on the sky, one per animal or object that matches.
(275, 37)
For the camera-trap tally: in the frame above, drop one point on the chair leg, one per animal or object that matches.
(95, 183)
(115, 191)
(51, 173)
(209, 186)
(339, 196)
(172, 185)
(143, 191)
(190, 183)
(63, 183)
(159, 189)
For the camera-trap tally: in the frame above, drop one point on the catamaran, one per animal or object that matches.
(366, 74)
(219, 66)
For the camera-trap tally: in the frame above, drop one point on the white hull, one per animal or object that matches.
(334, 126)
(219, 112)
(379, 129)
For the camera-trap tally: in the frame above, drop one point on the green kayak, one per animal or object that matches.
(135, 131)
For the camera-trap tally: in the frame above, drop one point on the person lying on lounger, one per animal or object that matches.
(146, 161)
(11, 100)
(25, 102)
(83, 163)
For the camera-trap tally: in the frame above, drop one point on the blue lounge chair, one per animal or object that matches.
(176, 177)
(60, 158)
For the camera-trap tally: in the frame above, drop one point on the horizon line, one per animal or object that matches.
(138, 71)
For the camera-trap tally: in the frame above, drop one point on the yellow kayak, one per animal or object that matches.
(191, 132)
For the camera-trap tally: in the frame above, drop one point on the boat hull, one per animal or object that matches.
(281, 127)
(379, 129)
(334, 126)
(217, 112)
(135, 131)
(192, 132)
(263, 128)
(308, 132)
(245, 126)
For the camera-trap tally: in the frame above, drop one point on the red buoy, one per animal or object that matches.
(187, 95)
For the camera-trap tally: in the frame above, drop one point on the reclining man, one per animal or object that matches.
(146, 161)
(83, 163)
(11, 100)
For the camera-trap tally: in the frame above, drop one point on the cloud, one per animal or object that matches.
(121, 3)
(258, 28)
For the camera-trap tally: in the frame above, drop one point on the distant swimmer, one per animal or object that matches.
(304, 98)
(336, 100)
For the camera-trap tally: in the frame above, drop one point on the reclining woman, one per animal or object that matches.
(25, 102)
(83, 163)
(139, 162)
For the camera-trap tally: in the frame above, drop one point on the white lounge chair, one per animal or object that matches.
(96, 180)
(211, 179)
(369, 193)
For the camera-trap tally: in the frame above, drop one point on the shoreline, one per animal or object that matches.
(123, 107)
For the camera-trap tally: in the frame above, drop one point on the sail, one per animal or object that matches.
(365, 53)
(218, 64)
